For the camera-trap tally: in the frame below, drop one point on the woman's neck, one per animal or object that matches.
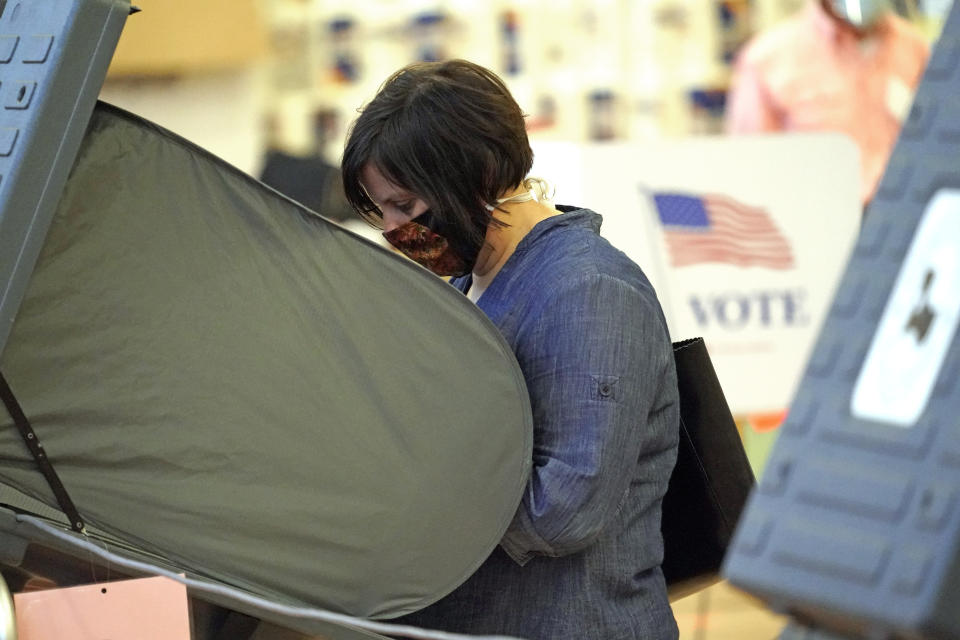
(501, 242)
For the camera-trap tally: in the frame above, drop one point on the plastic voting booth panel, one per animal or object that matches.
(54, 56)
(854, 529)
(233, 384)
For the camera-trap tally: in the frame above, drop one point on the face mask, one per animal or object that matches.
(416, 240)
(420, 241)
(861, 14)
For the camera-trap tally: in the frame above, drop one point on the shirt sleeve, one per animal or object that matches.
(594, 360)
(749, 108)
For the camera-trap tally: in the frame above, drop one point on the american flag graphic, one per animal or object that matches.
(717, 228)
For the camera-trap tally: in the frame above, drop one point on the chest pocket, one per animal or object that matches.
(605, 388)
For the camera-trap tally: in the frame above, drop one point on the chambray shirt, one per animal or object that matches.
(581, 558)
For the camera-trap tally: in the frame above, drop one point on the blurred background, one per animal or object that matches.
(240, 77)
(271, 86)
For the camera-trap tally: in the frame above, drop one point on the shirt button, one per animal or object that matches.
(605, 390)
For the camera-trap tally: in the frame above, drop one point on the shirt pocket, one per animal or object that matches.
(605, 388)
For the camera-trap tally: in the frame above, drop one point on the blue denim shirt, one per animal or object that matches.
(581, 559)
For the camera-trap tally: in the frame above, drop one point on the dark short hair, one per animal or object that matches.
(449, 132)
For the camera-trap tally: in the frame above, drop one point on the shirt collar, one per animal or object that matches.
(568, 217)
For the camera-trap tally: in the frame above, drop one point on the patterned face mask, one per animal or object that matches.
(417, 239)
(418, 242)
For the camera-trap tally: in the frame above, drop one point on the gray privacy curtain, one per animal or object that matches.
(231, 382)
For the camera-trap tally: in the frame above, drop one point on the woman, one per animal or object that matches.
(439, 159)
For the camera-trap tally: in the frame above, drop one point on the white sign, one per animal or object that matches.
(744, 239)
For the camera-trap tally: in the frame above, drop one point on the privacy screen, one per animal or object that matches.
(232, 382)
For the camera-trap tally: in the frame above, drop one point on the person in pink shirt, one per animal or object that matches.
(837, 65)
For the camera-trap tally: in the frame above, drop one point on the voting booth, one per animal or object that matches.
(202, 378)
(854, 528)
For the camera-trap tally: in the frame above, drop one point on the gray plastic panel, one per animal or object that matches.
(854, 527)
(54, 56)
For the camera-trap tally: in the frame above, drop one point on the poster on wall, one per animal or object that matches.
(744, 239)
